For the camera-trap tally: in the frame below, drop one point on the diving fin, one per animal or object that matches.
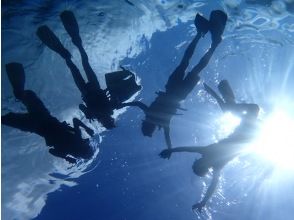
(217, 21)
(16, 76)
(52, 41)
(71, 26)
(202, 24)
(226, 91)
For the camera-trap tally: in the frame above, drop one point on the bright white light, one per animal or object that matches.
(275, 141)
(227, 124)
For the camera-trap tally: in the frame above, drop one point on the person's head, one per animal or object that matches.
(200, 167)
(147, 128)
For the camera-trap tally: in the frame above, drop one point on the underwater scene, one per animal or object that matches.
(147, 109)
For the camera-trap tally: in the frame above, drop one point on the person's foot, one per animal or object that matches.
(217, 23)
(202, 24)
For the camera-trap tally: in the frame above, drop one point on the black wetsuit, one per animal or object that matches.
(63, 138)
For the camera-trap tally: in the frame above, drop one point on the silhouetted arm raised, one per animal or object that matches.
(139, 104)
(209, 192)
(86, 112)
(57, 153)
(167, 137)
(167, 152)
(77, 124)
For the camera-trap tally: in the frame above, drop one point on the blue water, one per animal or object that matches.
(126, 179)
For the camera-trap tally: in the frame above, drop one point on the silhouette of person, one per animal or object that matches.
(218, 154)
(161, 110)
(99, 103)
(64, 141)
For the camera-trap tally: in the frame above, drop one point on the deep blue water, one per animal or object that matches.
(127, 179)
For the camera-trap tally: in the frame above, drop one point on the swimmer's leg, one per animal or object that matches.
(193, 77)
(33, 103)
(71, 26)
(16, 76)
(20, 121)
(178, 75)
(52, 41)
(217, 22)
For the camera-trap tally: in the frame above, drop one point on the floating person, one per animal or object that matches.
(64, 141)
(216, 156)
(166, 104)
(99, 103)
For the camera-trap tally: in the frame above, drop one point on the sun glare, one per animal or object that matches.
(275, 141)
(227, 124)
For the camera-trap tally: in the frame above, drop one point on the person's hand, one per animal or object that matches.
(71, 160)
(198, 207)
(165, 154)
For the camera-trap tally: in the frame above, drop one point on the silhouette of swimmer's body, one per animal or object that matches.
(160, 112)
(63, 139)
(217, 155)
(99, 103)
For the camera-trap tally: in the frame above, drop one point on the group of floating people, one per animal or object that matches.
(66, 142)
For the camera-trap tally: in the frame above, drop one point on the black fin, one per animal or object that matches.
(226, 91)
(217, 20)
(202, 24)
(52, 41)
(71, 26)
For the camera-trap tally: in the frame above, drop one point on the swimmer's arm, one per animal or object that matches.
(78, 123)
(56, 153)
(192, 149)
(167, 137)
(209, 192)
(167, 152)
(86, 111)
(139, 104)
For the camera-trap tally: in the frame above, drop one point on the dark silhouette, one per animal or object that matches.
(160, 112)
(99, 103)
(63, 139)
(217, 155)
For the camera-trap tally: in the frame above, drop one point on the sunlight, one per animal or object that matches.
(275, 141)
(227, 124)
